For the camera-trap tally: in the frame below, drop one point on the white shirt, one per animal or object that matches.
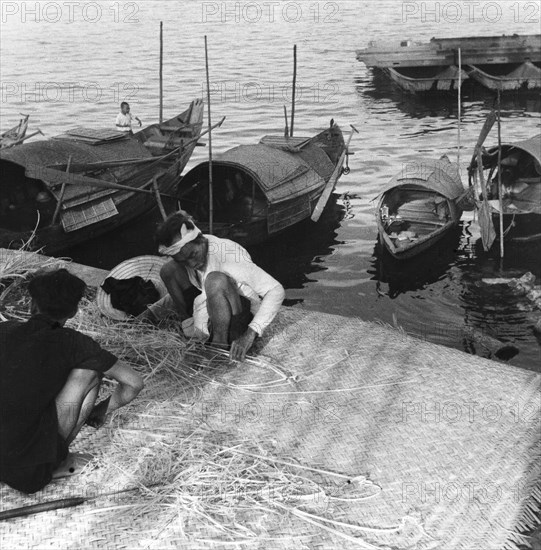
(124, 122)
(265, 293)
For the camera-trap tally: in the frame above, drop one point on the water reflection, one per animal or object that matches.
(417, 273)
(375, 85)
(294, 255)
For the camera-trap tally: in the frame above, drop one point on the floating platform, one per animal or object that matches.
(505, 63)
(336, 433)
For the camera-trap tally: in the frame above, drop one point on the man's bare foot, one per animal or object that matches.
(73, 465)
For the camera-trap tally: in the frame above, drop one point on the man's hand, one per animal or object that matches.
(96, 418)
(241, 345)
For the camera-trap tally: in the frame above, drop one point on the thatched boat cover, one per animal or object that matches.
(355, 436)
(532, 146)
(441, 176)
(57, 152)
(280, 174)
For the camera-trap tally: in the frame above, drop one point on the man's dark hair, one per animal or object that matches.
(124, 103)
(57, 293)
(169, 230)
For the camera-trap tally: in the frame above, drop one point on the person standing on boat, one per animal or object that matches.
(124, 119)
(49, 381)
(238, 299)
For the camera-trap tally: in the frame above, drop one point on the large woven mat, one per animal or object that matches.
(448, 445)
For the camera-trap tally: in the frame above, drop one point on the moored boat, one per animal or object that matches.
(260, 190)
(68, 189)
(521, 188)
(526, 76)
(496, 62)
(418, 207)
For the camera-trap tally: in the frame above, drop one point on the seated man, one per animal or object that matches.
(49, 381)
(238, 299)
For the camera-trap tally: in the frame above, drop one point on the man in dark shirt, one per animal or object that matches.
(49, 381)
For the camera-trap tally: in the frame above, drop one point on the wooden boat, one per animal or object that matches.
(526, 76)
(521, 183)
(260, 190)
(427, 79)
(412, 65)
(16, 134)
(418, 207)
(86, 182)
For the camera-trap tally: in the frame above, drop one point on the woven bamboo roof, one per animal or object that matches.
(280, 174)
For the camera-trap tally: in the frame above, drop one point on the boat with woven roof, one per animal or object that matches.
(262, 189)
(520, 167)
(419, 207)
(86, 182)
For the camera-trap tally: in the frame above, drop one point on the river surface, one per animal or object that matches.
(70, 66)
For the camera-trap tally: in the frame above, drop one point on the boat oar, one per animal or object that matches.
(320, 206)
(485, 130)
(500, 186)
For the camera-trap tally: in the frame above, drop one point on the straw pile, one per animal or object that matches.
(209, 470)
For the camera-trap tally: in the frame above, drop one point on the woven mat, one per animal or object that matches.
(448, 444)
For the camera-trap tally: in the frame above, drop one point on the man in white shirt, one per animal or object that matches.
(125, 119)
(238, 299)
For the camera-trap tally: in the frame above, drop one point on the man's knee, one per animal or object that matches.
(171, 272)
(217, 283)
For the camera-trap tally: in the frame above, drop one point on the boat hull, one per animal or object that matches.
(416, 249)
(527, 79)
(519, 228)
(445, 80)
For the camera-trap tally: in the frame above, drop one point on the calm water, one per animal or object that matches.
(72, 68)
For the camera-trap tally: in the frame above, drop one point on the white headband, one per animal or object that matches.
(186, 236)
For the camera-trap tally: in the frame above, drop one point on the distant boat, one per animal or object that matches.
(496, 62)
(418, 207)
(86, 182)
(260, 190)
(526, 76)
(521, 183)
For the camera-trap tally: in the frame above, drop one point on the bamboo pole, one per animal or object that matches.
(158, 198)
(161, 72)
(62, 191)
(51, 176)
(211, 197)
(459, 104)
(286, 130)
(500, 187)
(294, 89)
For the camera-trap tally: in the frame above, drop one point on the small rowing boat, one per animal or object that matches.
(259, 190)
(418, 207)
(73, 187)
